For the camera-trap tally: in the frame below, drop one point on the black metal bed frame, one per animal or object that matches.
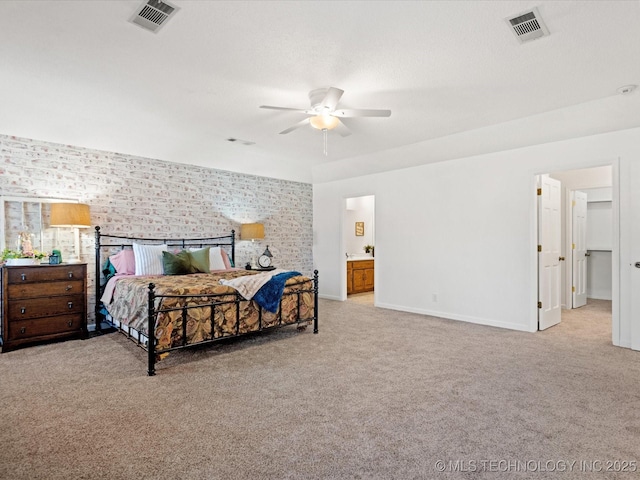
(213, 300)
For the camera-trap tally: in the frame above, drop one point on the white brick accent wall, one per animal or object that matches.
(145, 197)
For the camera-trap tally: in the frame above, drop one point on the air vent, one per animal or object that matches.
(243, 142)
(153, 14)
(528, 26)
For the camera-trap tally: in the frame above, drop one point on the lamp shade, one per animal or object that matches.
(324, 122)
(70, 215)
(251, 231)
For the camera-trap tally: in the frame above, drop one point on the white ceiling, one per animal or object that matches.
(79, 73)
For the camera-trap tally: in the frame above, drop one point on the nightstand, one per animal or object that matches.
(42, 302)
(260, 269)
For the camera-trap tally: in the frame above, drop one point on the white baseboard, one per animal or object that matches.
(599, 297)
(461, 318)
(329, 297)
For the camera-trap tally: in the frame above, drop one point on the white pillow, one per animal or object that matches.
(148, 259)
(215, 259)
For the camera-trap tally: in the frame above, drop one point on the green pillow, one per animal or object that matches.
(177, 264)
(200, 259)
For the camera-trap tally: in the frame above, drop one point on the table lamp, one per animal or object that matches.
(71, 215)
(253, 232)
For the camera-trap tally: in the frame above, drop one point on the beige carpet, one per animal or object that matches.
(361, 298)
(377, 394)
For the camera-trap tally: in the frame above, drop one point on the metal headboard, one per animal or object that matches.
(119, 241)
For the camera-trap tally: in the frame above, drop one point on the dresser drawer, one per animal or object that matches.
(31, 290)
(39, 307)
(44, 274)
(39, 327)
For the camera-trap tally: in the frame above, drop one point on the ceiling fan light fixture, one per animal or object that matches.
(324, 122)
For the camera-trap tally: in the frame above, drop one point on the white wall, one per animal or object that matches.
(599, 273)
(457, 239)
(595, 177)
(599, 243)
(599, 222)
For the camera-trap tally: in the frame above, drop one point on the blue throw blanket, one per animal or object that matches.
(269, 295)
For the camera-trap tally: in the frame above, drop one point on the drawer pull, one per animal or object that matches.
(70, 323)
(69, 287)
(70, 274)
(23, 330)
(70, 304)
(23, 310)
(23, 277)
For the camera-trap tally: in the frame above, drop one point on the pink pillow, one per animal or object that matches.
(124, 262)
(225, 259)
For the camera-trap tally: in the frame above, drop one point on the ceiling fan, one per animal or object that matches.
(323, 114)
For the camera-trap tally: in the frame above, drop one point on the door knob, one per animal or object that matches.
(587, 254)
(637, 264)
(561, 259)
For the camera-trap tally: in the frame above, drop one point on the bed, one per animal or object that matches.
(163, 312)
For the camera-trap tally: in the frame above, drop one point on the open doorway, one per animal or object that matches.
(359, 242)
(583, 283)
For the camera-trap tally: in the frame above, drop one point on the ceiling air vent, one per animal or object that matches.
(528, 26)
(243, 142)
(153, 14)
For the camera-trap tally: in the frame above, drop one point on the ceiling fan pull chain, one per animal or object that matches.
(324, 133)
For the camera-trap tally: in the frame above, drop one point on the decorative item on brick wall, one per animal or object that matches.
(25, 215)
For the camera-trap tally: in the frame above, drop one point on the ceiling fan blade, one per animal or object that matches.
(361, 113)
(332, 98)
(302, 123)
(342, 130)
(301, 110)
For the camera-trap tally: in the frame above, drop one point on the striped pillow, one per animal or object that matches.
(148, 259)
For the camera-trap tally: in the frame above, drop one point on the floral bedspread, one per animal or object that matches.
(130, 306)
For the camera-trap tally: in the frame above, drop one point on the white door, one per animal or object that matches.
(579, 248)
(549, 252)
(633, 285)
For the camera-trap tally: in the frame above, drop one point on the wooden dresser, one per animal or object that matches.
(43, 302)
(360, 276)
